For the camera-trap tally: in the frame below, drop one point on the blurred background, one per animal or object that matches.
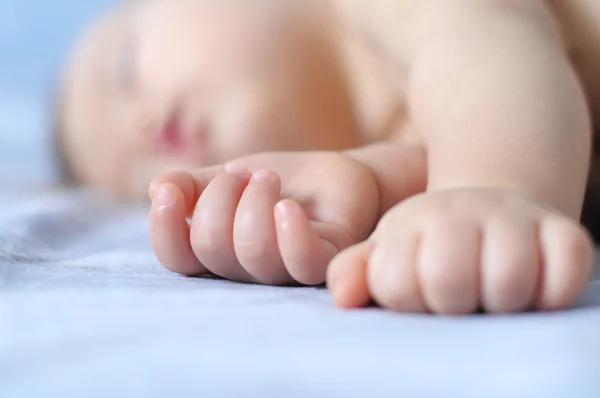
(35, 36)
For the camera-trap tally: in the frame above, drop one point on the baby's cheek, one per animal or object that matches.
(239, 129)
(231, 145)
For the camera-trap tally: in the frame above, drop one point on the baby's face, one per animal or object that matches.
(163, 84)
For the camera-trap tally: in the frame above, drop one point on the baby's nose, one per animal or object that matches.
(165, 69)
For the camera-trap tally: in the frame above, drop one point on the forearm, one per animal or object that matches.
(399, 170)
(499, 104)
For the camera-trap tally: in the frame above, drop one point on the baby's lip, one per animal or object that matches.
(178, 140)
(171, 136)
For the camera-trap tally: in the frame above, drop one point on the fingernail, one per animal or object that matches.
(262, 175)
(237, 169)
(283, 213)
(151, 190)
(162, 197)
(281, 209)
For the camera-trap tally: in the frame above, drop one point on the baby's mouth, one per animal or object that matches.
(178, 142)
(171, 139)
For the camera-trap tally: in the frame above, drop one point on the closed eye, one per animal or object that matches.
(127, 64)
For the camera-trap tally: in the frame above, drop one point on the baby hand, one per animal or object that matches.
(275, 218)
(454, 252)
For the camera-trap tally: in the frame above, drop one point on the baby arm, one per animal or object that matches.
(499, 103)
(507, 132)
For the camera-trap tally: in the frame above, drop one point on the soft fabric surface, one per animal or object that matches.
(86, 311)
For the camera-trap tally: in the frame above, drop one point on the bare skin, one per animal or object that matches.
(178, 84)
(475, 202)
(496, 227)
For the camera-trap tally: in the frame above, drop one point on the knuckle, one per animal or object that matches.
(252, 251)
(446, 281)
(208, 244)
(510, 290)
(449, 288)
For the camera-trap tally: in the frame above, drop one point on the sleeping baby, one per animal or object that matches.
(428, 156)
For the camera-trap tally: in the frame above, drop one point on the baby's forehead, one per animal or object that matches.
(82, 66)
(85, 66)
(104, 30)
(81, 94)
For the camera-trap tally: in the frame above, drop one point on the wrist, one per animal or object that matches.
(550, 193)
(399, 170)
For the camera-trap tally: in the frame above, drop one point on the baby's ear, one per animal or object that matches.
(191, 183)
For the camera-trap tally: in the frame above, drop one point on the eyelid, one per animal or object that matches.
(127, 58)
